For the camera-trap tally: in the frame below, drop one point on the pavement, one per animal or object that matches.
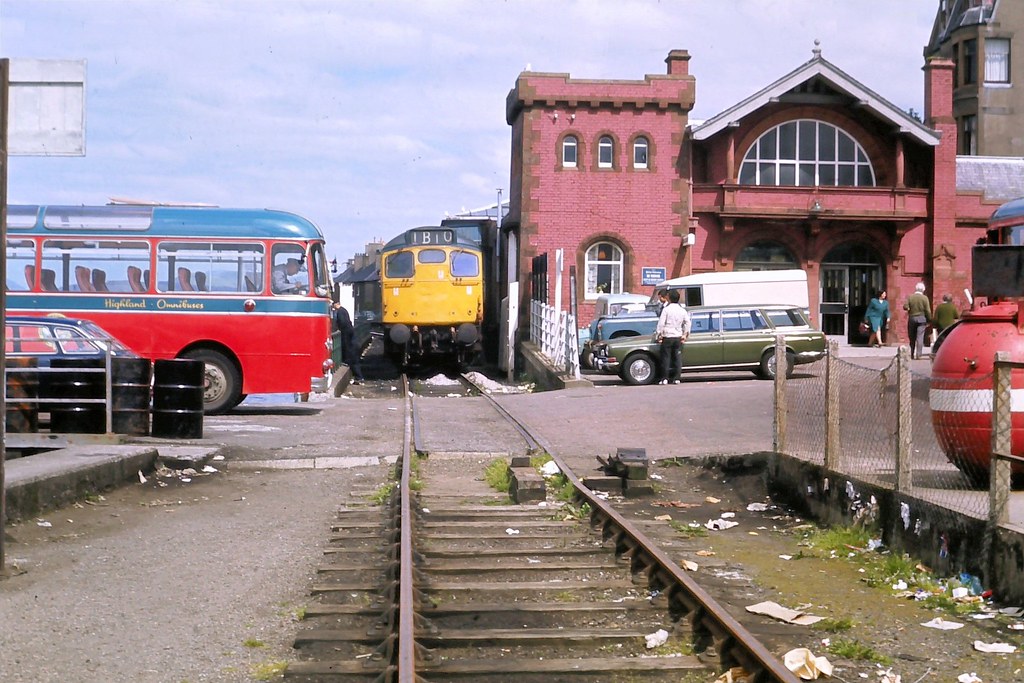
(54, 478)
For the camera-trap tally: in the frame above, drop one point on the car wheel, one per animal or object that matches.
(587, 360)
(222, 382)
(767, 369)
(639, 369)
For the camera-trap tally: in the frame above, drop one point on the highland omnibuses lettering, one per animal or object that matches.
(183, 304)
(121, 304)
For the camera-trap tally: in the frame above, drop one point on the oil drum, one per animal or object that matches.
(178, 387)
(961, 391)
(22, 416)
(73, 381)
(130, 389)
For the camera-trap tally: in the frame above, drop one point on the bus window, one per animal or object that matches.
(465, 264)
(399, 264)
(319, 270)
(21, 265)
(288, 273)
(94, 265)
(217, 267)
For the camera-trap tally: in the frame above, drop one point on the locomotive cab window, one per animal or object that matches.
(465, 264)
(399, 264)
(431, 256)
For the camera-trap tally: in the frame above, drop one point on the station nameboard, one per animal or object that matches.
(651, 276)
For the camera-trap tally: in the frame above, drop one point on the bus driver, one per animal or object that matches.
(284, 280)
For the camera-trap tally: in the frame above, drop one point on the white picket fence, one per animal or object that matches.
(554, 333)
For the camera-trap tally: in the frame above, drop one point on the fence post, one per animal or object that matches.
(904, 422)
(999, 481)
(779, 436)
(833, 448)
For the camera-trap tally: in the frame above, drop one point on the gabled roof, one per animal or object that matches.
(819, 80)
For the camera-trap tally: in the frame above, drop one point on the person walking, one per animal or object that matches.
(877, 317)
(945, 314)
(919, 312)
(350, 355)
(673, 329)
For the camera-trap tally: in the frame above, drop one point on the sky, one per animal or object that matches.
(371, 117)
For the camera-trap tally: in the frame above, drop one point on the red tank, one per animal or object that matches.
(961, 388)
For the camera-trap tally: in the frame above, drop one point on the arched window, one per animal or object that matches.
(764, 255)
(604, 270)
(806, 153)
(569, 151)
(605, 151)
(640, 153)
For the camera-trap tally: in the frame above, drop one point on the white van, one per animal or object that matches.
(742, 287)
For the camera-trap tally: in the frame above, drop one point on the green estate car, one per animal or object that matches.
(721, 338)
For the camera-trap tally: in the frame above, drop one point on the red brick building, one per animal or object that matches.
(815, 171)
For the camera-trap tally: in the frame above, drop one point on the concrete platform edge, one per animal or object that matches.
(546, 377)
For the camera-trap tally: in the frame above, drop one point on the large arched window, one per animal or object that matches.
(806, 153)
(604, 269)
(764, 255)
(569, 151)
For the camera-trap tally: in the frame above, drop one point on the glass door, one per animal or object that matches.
(834, 309)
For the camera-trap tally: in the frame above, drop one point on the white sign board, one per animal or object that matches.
(47, 108)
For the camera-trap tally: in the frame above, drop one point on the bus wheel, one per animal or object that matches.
(222, 386)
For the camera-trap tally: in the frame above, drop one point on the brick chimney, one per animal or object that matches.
(678, 63)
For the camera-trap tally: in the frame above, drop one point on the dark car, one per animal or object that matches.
(46, 338)
(721, 338)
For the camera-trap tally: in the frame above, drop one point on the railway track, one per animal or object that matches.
(446, 581)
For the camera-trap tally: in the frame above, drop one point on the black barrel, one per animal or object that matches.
(178, 398)
(130, 389)
(22, 416)
(70, 383)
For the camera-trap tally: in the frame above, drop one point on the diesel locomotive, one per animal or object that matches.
(437, 293)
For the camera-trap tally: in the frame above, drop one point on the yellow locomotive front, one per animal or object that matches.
(432, 296)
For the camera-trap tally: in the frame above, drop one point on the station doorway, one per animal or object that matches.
(850, 275)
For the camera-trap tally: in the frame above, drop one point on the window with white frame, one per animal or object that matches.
(997, 60)
(604, 270)
(807, 153)
(569, 145)
(605, 149)
(640, 153)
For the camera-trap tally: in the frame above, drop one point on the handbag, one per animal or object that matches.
(864, 327)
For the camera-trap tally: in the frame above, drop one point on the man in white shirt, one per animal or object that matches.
(673, 329)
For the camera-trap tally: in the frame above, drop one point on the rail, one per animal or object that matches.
(712, 623)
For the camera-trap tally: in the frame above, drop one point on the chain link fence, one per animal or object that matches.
(895, 429)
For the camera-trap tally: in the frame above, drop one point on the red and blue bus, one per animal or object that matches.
(246, 291)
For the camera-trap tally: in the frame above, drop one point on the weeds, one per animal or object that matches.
(834, 625)
(497, 475)
(382, 494)
(857, 651)
(269, 671)
(253, 643)
(687, 531)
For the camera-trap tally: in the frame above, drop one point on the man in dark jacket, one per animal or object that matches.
(349, 353)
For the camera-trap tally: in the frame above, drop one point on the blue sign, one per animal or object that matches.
(652, 276)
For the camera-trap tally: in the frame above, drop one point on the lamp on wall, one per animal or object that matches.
(554, 117)
(816, 207)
